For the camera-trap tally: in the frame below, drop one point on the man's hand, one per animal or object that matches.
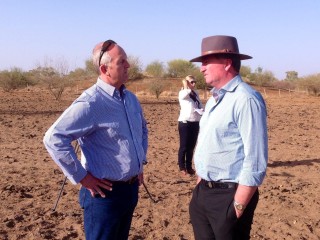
(238, 213)
(140, 178)
(243, 195)
(94, 185)
(198, 180)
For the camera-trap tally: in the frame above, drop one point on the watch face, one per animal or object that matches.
(239, 206)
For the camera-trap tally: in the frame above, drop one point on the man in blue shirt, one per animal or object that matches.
(232, 150)
(108, 123)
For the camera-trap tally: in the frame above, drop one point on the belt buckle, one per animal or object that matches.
(221, 185)
(210, 184)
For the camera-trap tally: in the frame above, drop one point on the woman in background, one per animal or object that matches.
(191, 110)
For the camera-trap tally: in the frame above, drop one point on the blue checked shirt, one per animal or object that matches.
(233, 143)
(110, 129)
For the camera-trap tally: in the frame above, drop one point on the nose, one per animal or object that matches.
(202, 68)
(127, 64)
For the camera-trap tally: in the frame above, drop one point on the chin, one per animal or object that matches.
(212, 83)
(208, 82)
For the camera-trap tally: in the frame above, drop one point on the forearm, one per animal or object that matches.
(183, 94)
(244, 194)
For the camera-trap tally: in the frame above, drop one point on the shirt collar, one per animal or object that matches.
(229, 86)
(233, 84)
(108, 88)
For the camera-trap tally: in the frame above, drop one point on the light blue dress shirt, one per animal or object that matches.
(110, 129)
(233, 143)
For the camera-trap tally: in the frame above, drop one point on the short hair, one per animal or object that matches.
(236, 62)
(105, 59)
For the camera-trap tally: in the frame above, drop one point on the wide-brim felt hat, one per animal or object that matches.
(220, 45)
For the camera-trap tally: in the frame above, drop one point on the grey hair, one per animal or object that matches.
(106, 59)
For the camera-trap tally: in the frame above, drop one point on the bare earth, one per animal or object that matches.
(289, 206)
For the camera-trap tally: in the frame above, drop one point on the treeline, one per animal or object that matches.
(56, 77)
(310, 84)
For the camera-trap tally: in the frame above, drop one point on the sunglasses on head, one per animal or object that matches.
(105, 47)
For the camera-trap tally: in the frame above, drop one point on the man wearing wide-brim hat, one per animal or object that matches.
(232, 150)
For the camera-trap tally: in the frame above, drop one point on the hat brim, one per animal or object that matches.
(200, 58)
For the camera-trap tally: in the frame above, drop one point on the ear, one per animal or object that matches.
(228, 64)
(103, 69)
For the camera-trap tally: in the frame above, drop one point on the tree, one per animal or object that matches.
(201, 82)
(55, 76)
(291, 76)
(259, 70)
(180, 68)
(261, 78)
(245, 71)
(155, 69)
(42, 73)
(135, 70)
(78, 74)
(90, 68)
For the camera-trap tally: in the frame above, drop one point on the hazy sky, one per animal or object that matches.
(280, 35)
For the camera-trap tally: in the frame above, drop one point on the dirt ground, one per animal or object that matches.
(289, 206)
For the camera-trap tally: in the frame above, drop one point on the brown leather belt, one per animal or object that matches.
(129, 181)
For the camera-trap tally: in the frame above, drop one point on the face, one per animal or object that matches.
(191, 84)
(117, 69)
(214, 71)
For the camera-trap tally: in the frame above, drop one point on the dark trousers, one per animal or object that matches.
(188, 133)
(109, 218)
(213, 216)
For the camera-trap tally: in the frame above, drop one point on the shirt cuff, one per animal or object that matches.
(251, 178)
(78, 176)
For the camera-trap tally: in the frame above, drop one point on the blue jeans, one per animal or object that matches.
(109, 218)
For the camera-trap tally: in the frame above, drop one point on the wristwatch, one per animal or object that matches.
(240, 207)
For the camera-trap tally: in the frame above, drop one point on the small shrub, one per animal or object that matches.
(156, 88)
(14, 79)
(311, 84)
(55, 76)
(283, 84)
(57, 85)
